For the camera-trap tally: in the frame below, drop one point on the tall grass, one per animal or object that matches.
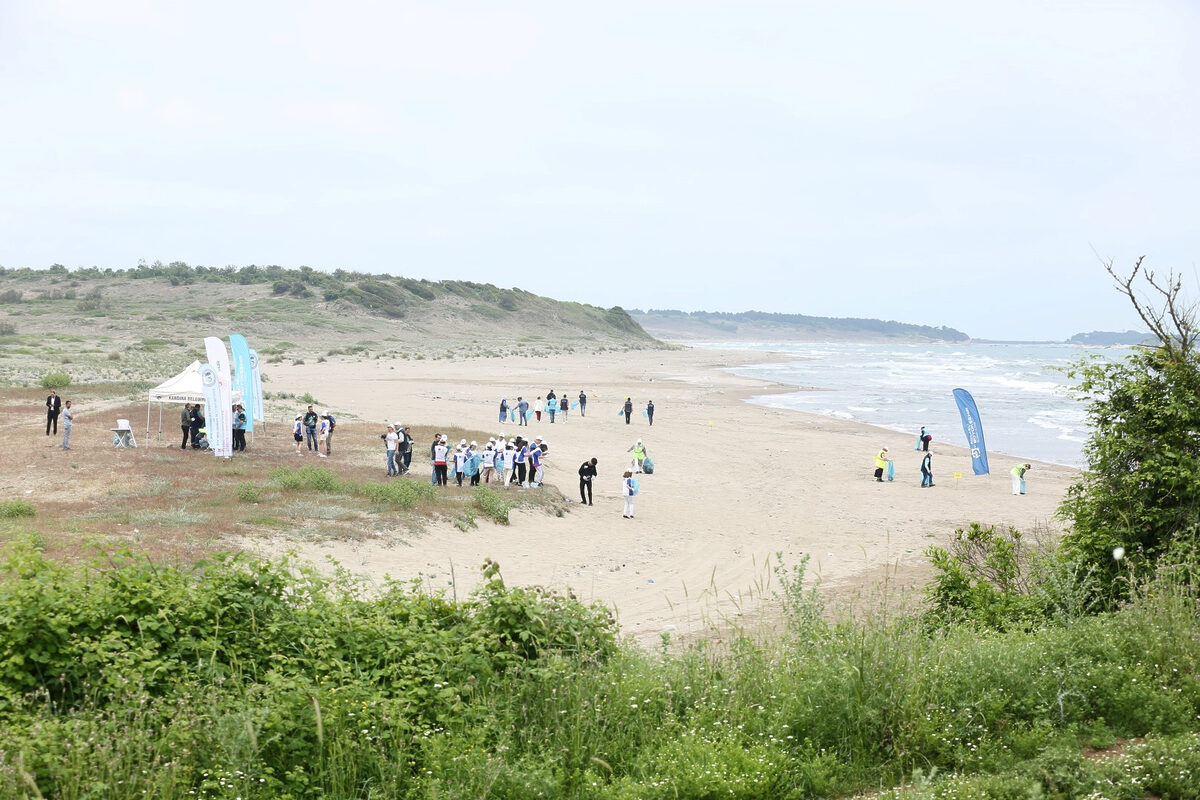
(251, 679)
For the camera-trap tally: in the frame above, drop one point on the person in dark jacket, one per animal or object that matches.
(53, 409)
(628, 409)
(587, 471)
(650, 412)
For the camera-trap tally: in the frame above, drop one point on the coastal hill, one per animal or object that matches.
(762, 326)
(1112, 338)
(147, 322)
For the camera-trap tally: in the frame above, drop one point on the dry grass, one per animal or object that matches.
(176, 505)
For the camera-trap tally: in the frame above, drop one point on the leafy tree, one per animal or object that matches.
(1139, 494)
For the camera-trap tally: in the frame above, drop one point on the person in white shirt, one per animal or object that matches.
(392, 441)
(627, 493)
(460, 458)
(440, 453)
(489, 462)
(538, 406)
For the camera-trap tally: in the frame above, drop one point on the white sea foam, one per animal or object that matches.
(1023, 403)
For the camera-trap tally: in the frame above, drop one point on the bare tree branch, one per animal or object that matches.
(1171, 321)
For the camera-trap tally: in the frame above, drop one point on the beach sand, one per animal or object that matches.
(734, 484)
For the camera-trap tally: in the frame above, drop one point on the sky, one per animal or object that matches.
(962, 164)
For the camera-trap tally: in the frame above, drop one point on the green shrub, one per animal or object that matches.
(318, 479)
(248, 493)
(10, 509)
(491, 504)
(402, 493)
(55, 380)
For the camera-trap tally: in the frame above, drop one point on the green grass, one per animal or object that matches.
(11, 509)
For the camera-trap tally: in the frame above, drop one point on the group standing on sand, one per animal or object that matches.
(523, 412)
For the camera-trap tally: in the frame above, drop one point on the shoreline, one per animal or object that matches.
(736, 483)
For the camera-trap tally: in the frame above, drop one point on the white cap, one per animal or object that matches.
(462, 441)
(443, 439)
(474, 444)
(639, 441)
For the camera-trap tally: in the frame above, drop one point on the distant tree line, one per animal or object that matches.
(857, 325)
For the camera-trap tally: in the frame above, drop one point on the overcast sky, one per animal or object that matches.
(954, 164)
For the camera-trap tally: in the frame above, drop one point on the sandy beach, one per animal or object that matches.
(734, 485)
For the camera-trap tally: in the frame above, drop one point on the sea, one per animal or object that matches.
(1020, 389)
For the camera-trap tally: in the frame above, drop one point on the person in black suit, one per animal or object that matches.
(587, 471)
(53, 409)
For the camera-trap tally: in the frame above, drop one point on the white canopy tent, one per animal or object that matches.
(183, 388)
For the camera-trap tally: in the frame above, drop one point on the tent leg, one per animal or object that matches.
(148, 418)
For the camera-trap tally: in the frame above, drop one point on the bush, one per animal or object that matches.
(56, 380)
(402, 494)
(318, 479)
(248, 493)
(10, 509)
(491, 504)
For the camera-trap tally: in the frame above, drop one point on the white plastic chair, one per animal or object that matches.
(123, 434)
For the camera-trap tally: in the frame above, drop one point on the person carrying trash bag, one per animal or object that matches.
(639, 455)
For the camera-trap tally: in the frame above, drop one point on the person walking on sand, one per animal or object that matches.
(627, 491)
(924, 439)
(522, 411)
(185, 423)
(551, 405)
(582, 404)
(68, 418)
(53, 409)
(650, 412)
(298, 432)
(881, 462)
(504, 409)
(1018, 477)
(927, 471)
(628, 409)
(639, 455)
(538, 407)
(587, 471)
(564, 405)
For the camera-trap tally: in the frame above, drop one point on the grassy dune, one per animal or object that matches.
(139, 324)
